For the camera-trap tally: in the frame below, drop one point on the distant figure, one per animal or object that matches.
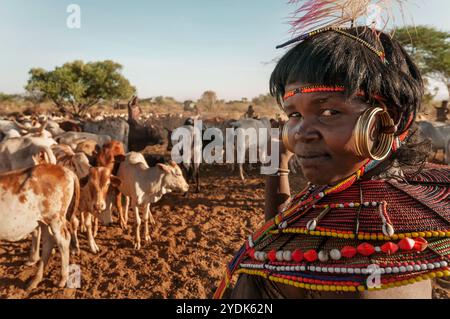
(250, 112)
(441, 112)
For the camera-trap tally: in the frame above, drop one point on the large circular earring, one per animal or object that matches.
(285, 137)
(362, 134)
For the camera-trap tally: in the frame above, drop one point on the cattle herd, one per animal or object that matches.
(59, 177)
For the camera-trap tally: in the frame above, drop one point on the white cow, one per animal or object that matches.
(23, 152)
(145, 185)
(73, 138)
(246, 126)
(40, 196)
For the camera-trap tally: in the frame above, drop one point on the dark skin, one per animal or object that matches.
(320, 132)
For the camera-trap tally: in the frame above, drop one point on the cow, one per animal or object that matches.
(71, 126)
(40, 197)
(145, 185)
(94, 189)
(439, 135)
(246, 126)
(140, 136)
(76, 162)
(109, 157)
(116, 128)
(18, 153)
(73, 138)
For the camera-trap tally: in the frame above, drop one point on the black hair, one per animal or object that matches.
(330, 58)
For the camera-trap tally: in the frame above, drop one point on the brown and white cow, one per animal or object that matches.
(40, 196)
(94, 189)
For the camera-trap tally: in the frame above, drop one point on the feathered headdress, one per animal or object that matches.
(317, 16)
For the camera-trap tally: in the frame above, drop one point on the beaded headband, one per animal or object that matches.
(339, 30)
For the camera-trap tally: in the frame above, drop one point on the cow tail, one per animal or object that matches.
(73, 209)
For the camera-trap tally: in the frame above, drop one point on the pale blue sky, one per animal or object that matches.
(172, 48)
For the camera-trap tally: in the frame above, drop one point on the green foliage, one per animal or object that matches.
(77, 86)
(430, 49)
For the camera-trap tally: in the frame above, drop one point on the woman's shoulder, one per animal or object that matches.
(429, 174)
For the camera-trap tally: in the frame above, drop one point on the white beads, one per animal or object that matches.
(335, 254)
(323, 256)
(364, 271)
(423, 267)
(324, 269)
(374, 204)
(287, 256)
(430, 266)
(302, 268)
(350, 270)
(321, 194)
(444, 264)
(402, 269)
(279, 255)
(377, 249)
(437, 264)
(343, 270)
(337, 270)
(409, 268)
(416, 267)
(366, 204)
(330, 270)
(357, 271)
(312, 268)
(351, 204)
(283, 225)
(395, 270)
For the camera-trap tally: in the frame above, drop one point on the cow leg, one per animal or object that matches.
(241, 171)
(120, 208)
(47, 246)
(95, 226)
(75, 224)
(127, 207)
(197, 173)
(92, 245)
(35, 243)
(147, 215)
(83, 223)
(137, 228)
(62, 239)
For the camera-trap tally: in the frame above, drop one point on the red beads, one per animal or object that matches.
(297, 255)
(389, 248)
(272, 255)
(406, 244)
(348, 251)
(420, 244)
(310, 255)
(366, 249)
(251, 253)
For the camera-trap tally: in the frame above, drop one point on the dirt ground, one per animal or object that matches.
(194, 237)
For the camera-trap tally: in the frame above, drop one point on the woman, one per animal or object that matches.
(374, 219)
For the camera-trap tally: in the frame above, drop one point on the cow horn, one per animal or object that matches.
(21, 126)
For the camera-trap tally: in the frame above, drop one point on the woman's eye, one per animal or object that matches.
(329, 112)
(295, 115)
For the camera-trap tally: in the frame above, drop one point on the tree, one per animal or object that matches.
(429, 48)
(208, 100)
(76, 86)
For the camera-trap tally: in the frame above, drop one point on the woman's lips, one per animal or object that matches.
(313, 160)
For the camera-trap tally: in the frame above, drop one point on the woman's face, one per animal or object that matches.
(320, 132)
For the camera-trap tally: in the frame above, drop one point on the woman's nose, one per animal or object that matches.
(305, 133)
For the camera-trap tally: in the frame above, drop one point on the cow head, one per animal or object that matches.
(173, 179)
(155, 135)
(97, 184)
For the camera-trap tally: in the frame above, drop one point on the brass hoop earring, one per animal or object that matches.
(285, 137)
(362, 134)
